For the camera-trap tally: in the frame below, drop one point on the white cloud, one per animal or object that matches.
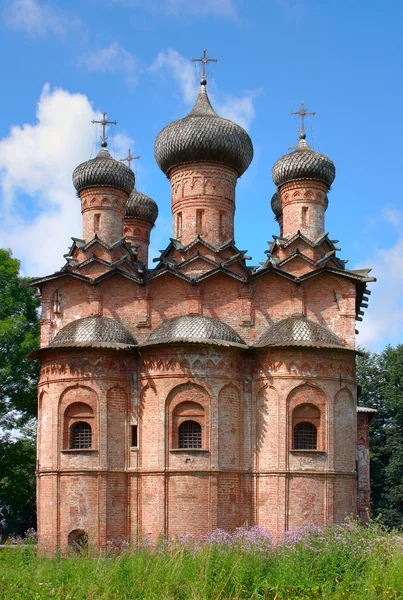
(239, 109)
(114, 58)
(383, 320)
(39, 210)
(36, 18)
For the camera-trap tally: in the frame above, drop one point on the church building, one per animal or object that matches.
(200, 393)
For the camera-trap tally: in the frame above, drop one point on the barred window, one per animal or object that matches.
(305, 437)
(80, 436)
(190, 435)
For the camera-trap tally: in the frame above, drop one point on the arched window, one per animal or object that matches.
(190, 435)
(305, 437)
(78, 540)
(80, 436)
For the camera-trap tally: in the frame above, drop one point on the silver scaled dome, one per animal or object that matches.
(194, 328)
(276, 204)
(94, 332)
(298, 331)
(140, 206)
(203, 136)
(103, 171)
(303, 163)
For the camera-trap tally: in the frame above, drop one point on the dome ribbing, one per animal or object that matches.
(303, 163)
(194, 327)
(298, 331)
(140, 206)
(95, 332)
(203, 136)
(103, 171)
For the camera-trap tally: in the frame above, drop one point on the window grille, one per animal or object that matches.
(81, 436)
(305, 437)
(190, 435)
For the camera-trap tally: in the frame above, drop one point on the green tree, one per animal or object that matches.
(19, 334)
(380, 377)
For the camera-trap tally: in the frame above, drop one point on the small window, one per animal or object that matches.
(199, 221)
(80, 436)
(221, 224)
(134, 440)
(304, 216)
(190, 435)
(97, 222)
(305, 437)
(179, 225)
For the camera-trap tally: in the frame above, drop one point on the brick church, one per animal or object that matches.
(200, 393)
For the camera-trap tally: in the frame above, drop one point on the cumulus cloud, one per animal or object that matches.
(237, 108)
(38, 19)
(383, 321)
(39, 210)
(111, 59)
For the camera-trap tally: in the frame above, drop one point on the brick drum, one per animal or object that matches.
(248, 397)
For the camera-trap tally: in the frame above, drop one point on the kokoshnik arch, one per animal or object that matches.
(201, 393)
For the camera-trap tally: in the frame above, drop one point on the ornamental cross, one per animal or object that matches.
(204, 60)
(104, 122)
(302, 113)
(129, 158)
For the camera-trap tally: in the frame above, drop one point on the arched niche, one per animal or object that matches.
(187, 401)
(230, 418)
(306, 403)
(345, 431)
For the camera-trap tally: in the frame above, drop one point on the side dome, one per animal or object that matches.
(203, 136)
(195, 328)
(103, 171)
(298, 331)
(303, 163)
(140, 206)
(276, 205)
(94, 332)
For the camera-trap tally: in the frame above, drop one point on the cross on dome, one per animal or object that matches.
(204, 60)
(129, 158)
(302, 113)
(104, 122)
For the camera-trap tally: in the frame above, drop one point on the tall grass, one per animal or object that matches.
(347, 561)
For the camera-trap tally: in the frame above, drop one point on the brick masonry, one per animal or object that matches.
(246, 401)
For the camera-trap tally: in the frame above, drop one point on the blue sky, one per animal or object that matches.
(63, 62)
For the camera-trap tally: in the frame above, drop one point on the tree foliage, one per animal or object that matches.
(380, 377)
(19, 334)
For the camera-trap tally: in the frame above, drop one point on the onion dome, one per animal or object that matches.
(195, 328)
(276, 205)
(203, 136)
(303, 163)
(95, 332)
(298, 331)
(140, 206)
(103, 171)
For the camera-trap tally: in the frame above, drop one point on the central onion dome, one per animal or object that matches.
(96, 332)
(203, 136)
(303, 163)
(140, 206)
(103, 171)
(194, 328)
(298, 331)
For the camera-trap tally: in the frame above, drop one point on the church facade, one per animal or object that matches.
(201, 393)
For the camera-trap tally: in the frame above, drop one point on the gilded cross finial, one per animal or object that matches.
(204, 60)
(104, 122)
(129, 158)
(302, 113)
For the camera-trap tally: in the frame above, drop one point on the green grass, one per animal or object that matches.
(347, 562)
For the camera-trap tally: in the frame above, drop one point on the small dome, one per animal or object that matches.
(195, 328)
(303, 163)
(298, 331)
(103, 171)
(203, 136)
(95, 332)
(276, 204)
(140, 206)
